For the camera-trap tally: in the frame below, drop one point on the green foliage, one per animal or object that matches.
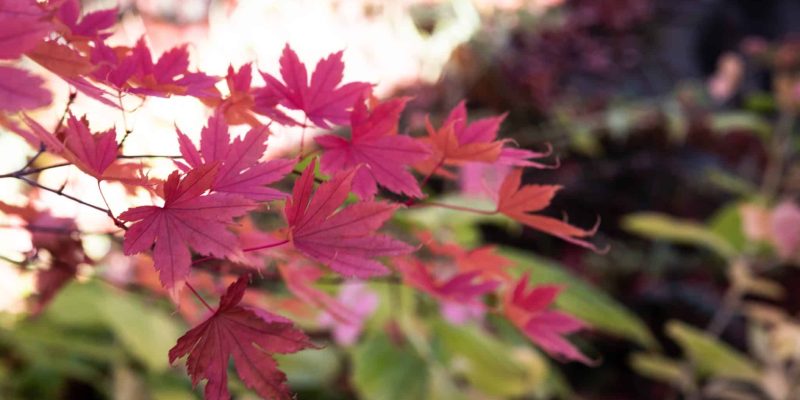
(710, 356)
(664, 227)
(488, 364)
(385, 370)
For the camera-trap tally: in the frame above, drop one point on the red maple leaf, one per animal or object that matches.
(240, 171)
(375, 144)
(55, 235)
(528, 311)
(345, 240)
(20, 90)
(250, 336)
(323, 100)
(299, 279)
(187, 219)
(461, 287)
(483, 259)
(518, 202)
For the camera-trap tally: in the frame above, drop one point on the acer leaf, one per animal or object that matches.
(242, 103)
(132, 70)
(462, 287)
(785, 229)
(60, 59)
(322, 100)
(92, 26)
(22, 27)
(483, 259)
(528, 310)
(93, 153)
(20, 90)
(345, 240)
(360, 302)
(240, 171)
(248, 335)
(459, 141)
(299, 280)
(518, 202)
(375, 144)
(187, 219)
(51, 234)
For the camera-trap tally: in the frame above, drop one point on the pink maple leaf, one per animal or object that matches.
(251, 336)
(785, 229)
(22, 26)
(299, 279)
(92, 26)
(93, 153)
(375, 144)
(20, 90)
(528, 310)
(361, 302)
(132, 70)
(345, 240)
(187, 219)
(240, 170)
(462, 287)
(322, 100)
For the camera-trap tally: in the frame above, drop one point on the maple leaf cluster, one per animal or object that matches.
(201, 223)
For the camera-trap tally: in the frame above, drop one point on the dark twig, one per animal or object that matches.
(61, 193)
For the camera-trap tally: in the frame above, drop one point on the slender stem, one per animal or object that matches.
(124, 121)
(12, 261)
(777, 150)
(60, 193)
(430, 174)
(23, 171)
(189, 285)
(117, 222)
(134, 156)
(246, 250)
(35, 157)
(723, 316)
(56, 229)
(455, 207)
(70, 100)
(410, 202)
(266, 246)
(303, 136)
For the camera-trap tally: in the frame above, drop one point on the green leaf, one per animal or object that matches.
(727, 224)
(145, 331)
(490, 365)
(660, 368)
(309, 369)
(583, 300)
(383, 370)
(664, 227)
(738, 120)
(711, 356)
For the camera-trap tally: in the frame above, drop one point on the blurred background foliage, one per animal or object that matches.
(674, 122)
